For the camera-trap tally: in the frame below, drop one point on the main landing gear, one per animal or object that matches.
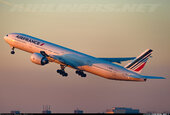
(81, 73)
(13, 52)
(62, 71)
(64, 74)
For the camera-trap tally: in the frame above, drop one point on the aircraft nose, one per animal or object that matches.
(5, 37)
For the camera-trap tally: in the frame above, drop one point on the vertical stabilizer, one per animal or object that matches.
(138, 63)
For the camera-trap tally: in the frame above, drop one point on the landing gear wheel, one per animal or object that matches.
(12, 52)
(65, 74)
(80, 73)
(62, 72)
(83, 75)
(58, 71)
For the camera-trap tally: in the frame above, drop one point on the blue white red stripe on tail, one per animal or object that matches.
(138, 64)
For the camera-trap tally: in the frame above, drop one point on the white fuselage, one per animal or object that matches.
(85, 62)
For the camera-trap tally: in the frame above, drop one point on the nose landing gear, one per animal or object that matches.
(13, 52)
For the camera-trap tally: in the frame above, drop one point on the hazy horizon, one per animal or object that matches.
(110, 28)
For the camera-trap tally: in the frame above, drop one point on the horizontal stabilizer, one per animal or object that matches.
(146, 77)
(153, 77)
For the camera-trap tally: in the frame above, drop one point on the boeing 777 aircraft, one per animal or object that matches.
(44, 52)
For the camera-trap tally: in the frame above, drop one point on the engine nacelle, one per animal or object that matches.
(39, 59)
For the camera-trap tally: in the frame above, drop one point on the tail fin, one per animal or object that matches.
(138, 63)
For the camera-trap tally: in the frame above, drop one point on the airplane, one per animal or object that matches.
(44, 52)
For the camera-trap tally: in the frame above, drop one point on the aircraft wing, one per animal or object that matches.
(65, 60)
(69, 59)
(118, 60)
(75, 61)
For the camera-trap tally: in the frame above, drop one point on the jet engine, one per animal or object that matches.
(39, 59)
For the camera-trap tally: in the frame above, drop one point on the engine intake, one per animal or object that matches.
(39, 59)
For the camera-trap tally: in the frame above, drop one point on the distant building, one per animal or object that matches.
(15, 112)
(122, 110)
(109, 111)
(78, 111)
(46, 109)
